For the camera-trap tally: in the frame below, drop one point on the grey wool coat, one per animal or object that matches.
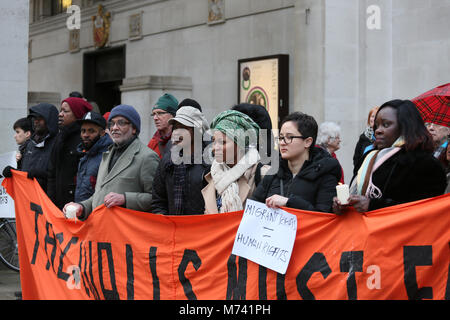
(132, 175)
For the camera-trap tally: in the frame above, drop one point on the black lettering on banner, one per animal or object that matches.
(188, 256)
(83, 274)
(352, 262)
(237, 282)
(152, 261)
(37, 211)
(130, 272)
(281, 291)
(317, 263)
(91, 274)
(51, 241)
(61, 274)
(262, 283)
(112, 294)
(414, 256)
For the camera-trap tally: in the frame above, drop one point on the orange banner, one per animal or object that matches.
(400, 252)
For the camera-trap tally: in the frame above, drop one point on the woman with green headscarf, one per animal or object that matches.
(232, 177)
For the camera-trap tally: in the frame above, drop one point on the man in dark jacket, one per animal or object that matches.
(94, 141)
(36, 155)
(180, 176)
(63, 166)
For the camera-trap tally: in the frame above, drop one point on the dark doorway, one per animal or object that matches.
(103, 72)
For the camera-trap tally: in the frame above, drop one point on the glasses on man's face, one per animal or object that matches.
(158, 114)
(120, 123)
(288, 139)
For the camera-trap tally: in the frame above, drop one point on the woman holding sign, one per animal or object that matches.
(307, 176)
(236, 160)
(402, 168)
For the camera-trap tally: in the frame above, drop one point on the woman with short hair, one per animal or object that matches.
(329, 138)
(307, 176)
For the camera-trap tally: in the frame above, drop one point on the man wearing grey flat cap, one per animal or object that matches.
(126, 172)
(180, 175)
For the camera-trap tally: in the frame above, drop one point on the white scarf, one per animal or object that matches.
(225, 180)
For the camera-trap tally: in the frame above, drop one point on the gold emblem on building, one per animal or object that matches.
(101, 26)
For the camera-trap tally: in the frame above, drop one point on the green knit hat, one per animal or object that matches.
(168, 103)
(237, 126)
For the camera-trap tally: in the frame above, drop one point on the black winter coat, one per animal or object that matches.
(36, 155)
(163, 186)
(88, 168)
(407, 177)
(312, 189)
(362, 144)
(63, 166)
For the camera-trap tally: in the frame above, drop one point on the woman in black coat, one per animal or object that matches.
(402, 169)
(307, 176)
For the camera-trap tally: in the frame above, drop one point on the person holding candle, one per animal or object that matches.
(307, 176)
(402, 168)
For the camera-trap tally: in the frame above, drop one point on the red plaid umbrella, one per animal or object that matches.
(434, 105)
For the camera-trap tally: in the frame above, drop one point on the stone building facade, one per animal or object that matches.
(345, 56)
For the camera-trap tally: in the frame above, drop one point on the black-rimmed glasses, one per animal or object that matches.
(288, 139)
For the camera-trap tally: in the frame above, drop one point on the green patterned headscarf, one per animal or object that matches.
(237, 126)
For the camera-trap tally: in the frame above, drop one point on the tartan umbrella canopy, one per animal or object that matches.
(434, 105)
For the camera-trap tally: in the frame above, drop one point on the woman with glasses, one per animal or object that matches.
(307, 176)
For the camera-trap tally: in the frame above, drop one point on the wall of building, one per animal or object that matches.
(13, 63)
(420, 46)
(176, 42)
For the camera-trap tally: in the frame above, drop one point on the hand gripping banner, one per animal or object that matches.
(400, 252)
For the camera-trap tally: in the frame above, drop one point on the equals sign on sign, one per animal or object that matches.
(267, 235)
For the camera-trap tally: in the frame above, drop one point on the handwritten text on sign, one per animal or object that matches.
(266, 236)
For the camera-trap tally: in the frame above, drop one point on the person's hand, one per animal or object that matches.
(114, 200)
(360, 203)
(276, 201)
(79, 209)
(7, 172)
(18, 156)
(338, 207)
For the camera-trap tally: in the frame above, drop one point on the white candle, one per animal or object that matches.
(343, 193)
(71, 212)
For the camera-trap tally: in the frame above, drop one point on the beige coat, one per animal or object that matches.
(132, 175)
(246, 185)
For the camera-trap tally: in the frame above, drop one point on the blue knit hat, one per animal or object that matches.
(128, 112)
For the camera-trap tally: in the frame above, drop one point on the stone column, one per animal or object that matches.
(14, 17)
(143, 92)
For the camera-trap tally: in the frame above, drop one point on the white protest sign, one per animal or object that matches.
(266, 236)
(6, 202)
